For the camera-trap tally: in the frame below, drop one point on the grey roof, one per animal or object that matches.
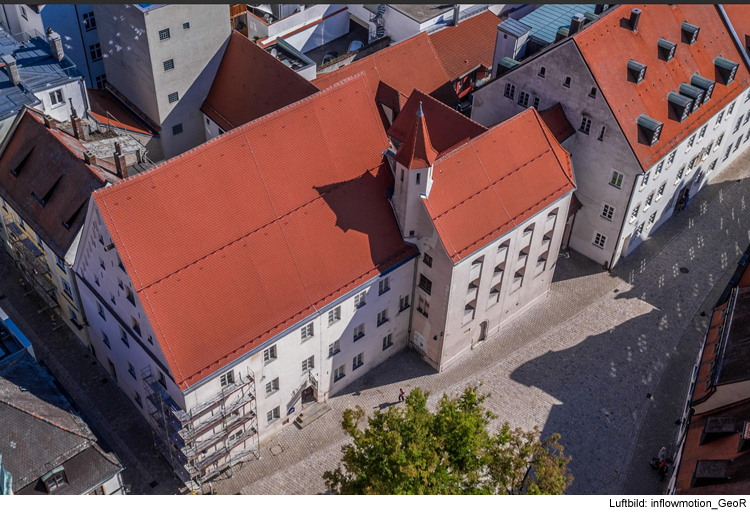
(39, 431)
(514, 27)
(547, 19)
(422, 12)
(38, 69)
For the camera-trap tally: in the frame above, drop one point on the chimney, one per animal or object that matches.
(576, 23)
(456, 10)
(90, 159)
(49, 122)
(635, 15)
(598, 9)
(55, 44)
(77, 126)
(11, 68)
(120, 164)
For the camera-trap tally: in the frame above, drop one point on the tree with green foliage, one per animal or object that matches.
(410, 450)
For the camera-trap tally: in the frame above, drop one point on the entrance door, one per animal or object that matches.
(483, 332)
(308, 396)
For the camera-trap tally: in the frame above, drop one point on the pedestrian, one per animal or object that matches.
(662, 454)
(687, 199)
(401, 395)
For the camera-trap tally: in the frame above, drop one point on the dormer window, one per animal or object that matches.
(725, 70)
(694, 93)
(55, 480)
(649, 130)
(703, 83)
(679, 106)
(689, 33)
(666, 49)
(636, 71)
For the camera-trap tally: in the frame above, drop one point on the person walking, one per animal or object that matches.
(687, 199)
(401, 395)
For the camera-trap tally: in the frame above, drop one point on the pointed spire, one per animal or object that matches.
(417, 152)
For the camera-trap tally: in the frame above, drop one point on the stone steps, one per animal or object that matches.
(311, 413)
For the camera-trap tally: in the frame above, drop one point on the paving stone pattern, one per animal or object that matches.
(605, 360)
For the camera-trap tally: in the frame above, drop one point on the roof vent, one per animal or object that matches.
(90, 159)
(666, 49)
(649, 130)
(689, 33)
(695, 93)
(635, 16)
(576, 23)
(703, 83)
(711, 472)
(561, 33)
(725, 69)
(679, 106)
(636, 71)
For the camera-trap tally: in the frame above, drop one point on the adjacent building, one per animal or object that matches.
(45, 446)
(660, 107)
(48, 171)
(22, 21)
(250, 83)
(36, 72)
(161, 60)
(713, 446)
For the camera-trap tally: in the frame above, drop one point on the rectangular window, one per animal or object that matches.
(712, 166)
(649, 199)
(523, 99)
(360, 299)
(358, 360)
(387, 342)
(718, 142)
(566, 83)
(536, 103)
(616, 179)
(66, 288)
(425, 284)
(173, 97)
(737, 145)
(177, 129)
(100, 310)
(89, 21)
(339, 373)
(334, 315)
(418, 177)
(334, 348)
(660, 192)
(680, 174)
(384, 285)
(652, 219)
(269, 355)
(671, 158)
(124, 337)
(585, 125)
(707, 150)
(56, 97)
(607, 212)
(139, 401)
(510, 91)
(726, 154)
(359, 331)
(23, 13)
(273, 415)
(403, 303)
(136, 326)
(638, 230)
(186, 25)
(308, 364)
(95, 51)
(130, 295)
(100, 81)
(60, 263)
(227, 379)
(634, 213)
(423, 306)
(644, 180)
(105, 339)
(427, 259)
(592, 94)
(164, 34)
(719, 119)
(600, 240)
(272, 387)
(163, 380)
(131, 369)
(542, 72)
(737, 126)
(307, 332)
(658, 169)
(601, 134)
(120, 264)
(690, 143)
(58, 480)
(169, 64)
(382, 317)
(731, 108)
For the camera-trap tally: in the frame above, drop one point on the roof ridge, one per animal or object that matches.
(40, 418)
(450, 108)
(492, 185)
(544, 128)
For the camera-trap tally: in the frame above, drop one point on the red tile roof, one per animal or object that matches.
(486, 187)
(608, 44)
(255, 240)
(251, 83)
(108, 111)
(417, 152)
(447, 128)
(410, 64)
(557, 122)
(50, 164)
(468, 45)
(739, 17)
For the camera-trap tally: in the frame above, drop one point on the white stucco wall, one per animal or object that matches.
(74, 89)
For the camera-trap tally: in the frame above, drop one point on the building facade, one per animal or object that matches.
(635, 167)
(162, 60)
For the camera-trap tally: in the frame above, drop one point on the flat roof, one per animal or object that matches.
(547, 19)
(422, 12)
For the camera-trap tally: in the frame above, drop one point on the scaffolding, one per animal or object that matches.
(30, 261)
(204, 442)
